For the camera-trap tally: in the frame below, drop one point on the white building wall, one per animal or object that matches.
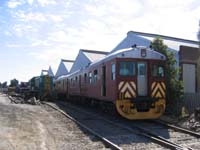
(189, 78)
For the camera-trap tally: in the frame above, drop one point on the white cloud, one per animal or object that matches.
(56, 18)
(23, 29)
(46, 2)
(30, 2)
(117, 7)
(14, 3)
(7, 33)
(37, 17)
(13, 45)
(58, 36)
(40, 43)
(53, 55)
(26, 17)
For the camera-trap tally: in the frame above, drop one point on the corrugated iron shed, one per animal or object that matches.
(64, 67)
(144, 39)
(50, 72)
(86, 57)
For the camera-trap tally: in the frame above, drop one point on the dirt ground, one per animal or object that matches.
(28, 127)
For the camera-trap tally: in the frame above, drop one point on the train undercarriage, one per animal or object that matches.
(140, 109)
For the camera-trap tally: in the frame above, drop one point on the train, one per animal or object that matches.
(41, 87)
(132, 80)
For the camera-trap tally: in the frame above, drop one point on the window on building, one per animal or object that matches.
(76, 79)
(90, 77)
(113, 72)
(157, 70)
(127, 68)
(95, 76)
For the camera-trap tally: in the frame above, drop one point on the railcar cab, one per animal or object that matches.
(143, 73)
(140, 79)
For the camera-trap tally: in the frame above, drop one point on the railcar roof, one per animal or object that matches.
(123, 53)
(66, 76)
(132, 53)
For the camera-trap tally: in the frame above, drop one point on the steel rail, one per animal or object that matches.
(167, 124)
(171, 145)
(143, 132)
(103, 139)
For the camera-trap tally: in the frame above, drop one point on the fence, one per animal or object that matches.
(191, 101)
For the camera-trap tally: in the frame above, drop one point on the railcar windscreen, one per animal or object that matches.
(157, 71)
(127, 68)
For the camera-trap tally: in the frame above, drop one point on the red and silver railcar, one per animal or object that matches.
(132, 79)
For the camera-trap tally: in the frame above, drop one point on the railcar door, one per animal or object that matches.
(142, 78)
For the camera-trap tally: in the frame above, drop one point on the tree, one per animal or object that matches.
(174, 87)
(14, 83)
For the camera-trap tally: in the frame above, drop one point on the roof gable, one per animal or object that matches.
(94, 55)
(86, 57)
(68, 64)
(62, 70)
(50, 72)
(81, 62)
(44, 72)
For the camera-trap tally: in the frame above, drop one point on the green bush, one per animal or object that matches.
(174, 86)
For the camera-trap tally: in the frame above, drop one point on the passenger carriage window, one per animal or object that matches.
(71, 81)
(85, 77)
(127, 68)
(113, 72)
(157, 71)
(90, 77)
(95, 76)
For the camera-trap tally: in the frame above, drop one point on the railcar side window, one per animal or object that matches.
(85, 77)
(71, 81)
(90, 77)
(127, 68)
(157, 71)
(95, 76)
(113, 72)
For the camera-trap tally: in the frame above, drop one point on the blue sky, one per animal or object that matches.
(38, 33)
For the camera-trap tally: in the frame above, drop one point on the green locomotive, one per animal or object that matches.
(41, 86)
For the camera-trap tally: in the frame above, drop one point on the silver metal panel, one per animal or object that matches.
(189, 78)
(142, 79)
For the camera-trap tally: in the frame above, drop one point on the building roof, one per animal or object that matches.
(94, 55)
(64, 67)
(50, 72)
(144, 39)
(68, 64)
(44, 72)
(86, 57)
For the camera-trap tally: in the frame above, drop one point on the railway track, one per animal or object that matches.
(107, 142)
(169, 125)
(182, 137)
(86, 119)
